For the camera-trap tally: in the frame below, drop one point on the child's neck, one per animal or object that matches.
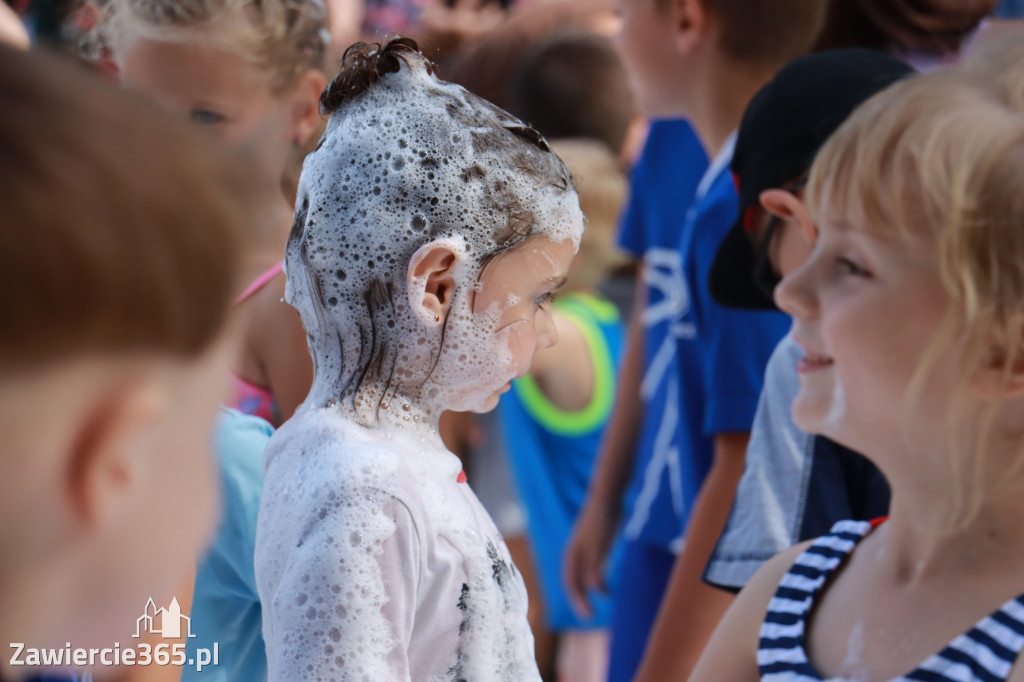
(721, 96)
(921, 545)
(378, 408)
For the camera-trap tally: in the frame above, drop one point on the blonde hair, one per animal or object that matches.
(284, 38)
(602, 188)
(942, 155)
(996, 57)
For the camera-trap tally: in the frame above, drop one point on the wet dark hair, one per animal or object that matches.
(403, 163)
(362, 65)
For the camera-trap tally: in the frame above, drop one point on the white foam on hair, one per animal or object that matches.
(409, 161)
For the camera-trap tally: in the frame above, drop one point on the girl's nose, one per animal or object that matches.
(547, 333)
(795, 293)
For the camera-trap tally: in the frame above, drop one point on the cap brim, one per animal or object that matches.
(731, 280)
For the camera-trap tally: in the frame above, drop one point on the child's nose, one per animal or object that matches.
(795, 295)
(547, 333)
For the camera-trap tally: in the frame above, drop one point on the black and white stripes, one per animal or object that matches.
(984, 653)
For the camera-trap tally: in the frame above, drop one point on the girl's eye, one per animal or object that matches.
(544, 299)
(206, 116)
(851, 267)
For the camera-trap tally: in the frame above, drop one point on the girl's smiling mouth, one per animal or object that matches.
(812, 363)
(812, 360)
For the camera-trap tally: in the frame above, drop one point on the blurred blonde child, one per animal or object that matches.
(250, 73)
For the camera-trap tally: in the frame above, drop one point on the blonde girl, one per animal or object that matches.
(250, 73)
(911, 315)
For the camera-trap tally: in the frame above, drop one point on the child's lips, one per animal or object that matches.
(812, 360)
(812, 363)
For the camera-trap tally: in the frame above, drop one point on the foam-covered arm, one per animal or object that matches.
(344, 607)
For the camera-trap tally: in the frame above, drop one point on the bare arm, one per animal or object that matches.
(732, 652)
(691, 609)
(565, 372)
(596, 524)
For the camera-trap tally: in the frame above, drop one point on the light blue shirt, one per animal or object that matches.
(225, 606)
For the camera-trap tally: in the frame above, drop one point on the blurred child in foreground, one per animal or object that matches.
(114, 352)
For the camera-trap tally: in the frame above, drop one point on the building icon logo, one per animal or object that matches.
(163, 622)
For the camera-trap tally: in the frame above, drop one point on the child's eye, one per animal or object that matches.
(544, 299)
(851, 267)
(206, 116)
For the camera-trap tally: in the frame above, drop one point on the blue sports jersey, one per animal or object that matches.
(225, 605)
(663, 185)
(723, 351)
(719, 359)
(551, 454)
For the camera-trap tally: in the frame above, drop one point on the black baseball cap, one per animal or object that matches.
(783, 127)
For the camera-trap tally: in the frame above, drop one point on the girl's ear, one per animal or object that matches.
(432, 279)
(105, 465)
(305, 105)
(785, 205)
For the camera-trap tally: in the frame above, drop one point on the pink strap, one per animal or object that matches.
(260, 282)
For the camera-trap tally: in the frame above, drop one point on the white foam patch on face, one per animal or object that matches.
(411, 160)
(837, 410)
(476, 363)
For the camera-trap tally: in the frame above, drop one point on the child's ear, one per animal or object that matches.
(106, 461)
(432, 280)
(305, 105)
(785, 205)
(689, 23)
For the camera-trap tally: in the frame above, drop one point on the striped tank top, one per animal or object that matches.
(986, 652)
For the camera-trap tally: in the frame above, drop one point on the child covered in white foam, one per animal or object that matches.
(431, 231)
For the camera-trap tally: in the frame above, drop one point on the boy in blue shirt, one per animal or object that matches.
(705, 59)
(633, 479)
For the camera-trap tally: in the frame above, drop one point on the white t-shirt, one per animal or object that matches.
(374, 562)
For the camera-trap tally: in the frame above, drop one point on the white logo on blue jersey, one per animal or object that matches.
(663, 273)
